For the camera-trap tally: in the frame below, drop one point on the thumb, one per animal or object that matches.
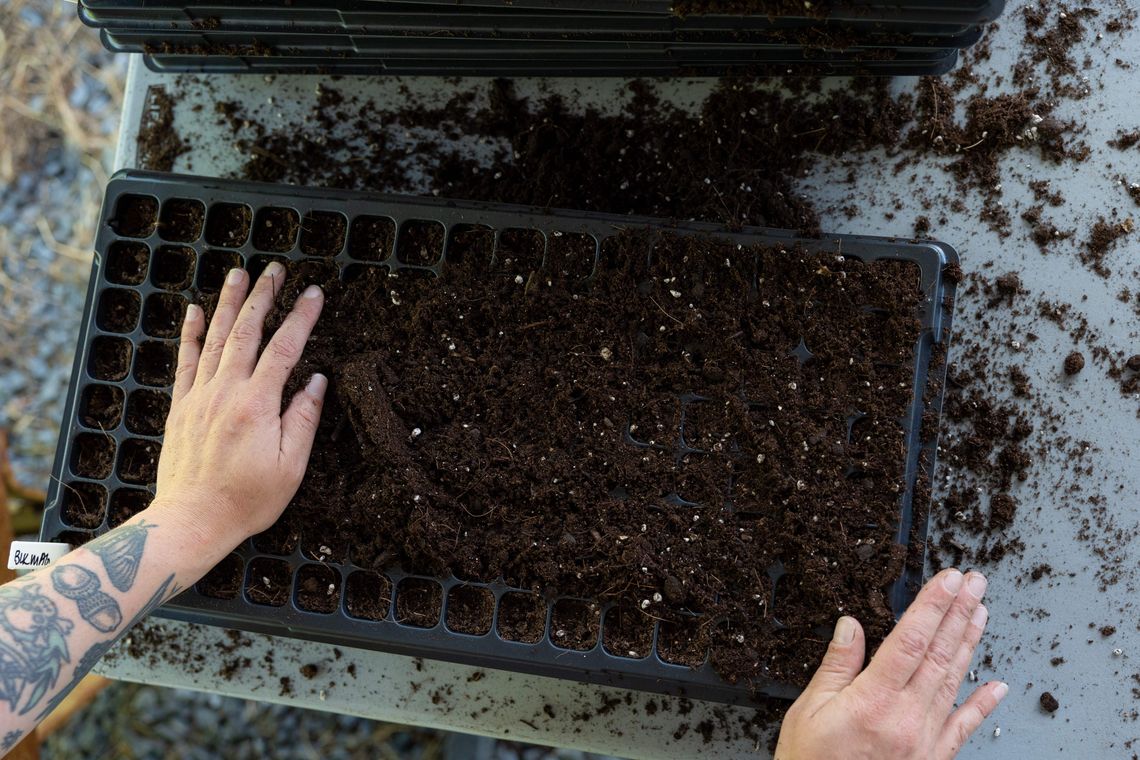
(843, 661)
(300, 420)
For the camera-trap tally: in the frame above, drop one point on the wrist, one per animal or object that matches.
(192, 519)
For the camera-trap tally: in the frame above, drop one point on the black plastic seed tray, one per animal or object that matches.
(160, 242)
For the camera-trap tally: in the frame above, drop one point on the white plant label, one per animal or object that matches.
(29, 555)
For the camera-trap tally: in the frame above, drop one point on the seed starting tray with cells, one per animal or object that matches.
(159, 244)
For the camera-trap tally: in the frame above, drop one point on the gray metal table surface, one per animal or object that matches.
(1031, 622)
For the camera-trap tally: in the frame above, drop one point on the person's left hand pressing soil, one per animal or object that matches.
(231, 461)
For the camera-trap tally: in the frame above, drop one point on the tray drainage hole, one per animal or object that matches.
(520, 253)
(570, 258)
(173, 267)
(227, 224)
(110, 358)
(84, 505)
(126, 503)
(470, 610)
(138, 461)
(420, 243)
(127, 262)
(224, 579)
(268, 581)
(371, 237)
(522, 617)
(471, 245)
(102, 407)
(155, 363)
(135, 216)
(684, 642)
(182, 220)
(323, 233)
(147, 411)
(162, 315)
(318, 589)
(213, 268)
(93, 455)
(419, 602)
(118, 310)
(575, 624)
(368, 595)
(258, 263)
(627, 632)
(275, 229)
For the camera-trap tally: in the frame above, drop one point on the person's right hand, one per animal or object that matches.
(231, 461)
(902, 705)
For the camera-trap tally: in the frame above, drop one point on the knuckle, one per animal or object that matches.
(912, 643)
(284, 347)
(940, 655)
(244, 332)
(214, 345)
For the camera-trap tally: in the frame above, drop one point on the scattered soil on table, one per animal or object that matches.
(275, 229)
(310, 671)
(118, 310)
(127, 262)
(84, 505)
(138, 461)
(470, 610)
(1103, 238)
(173, 267)
(147, 411)
(102, 407)
(135, 216)
(1125, 140)
(228, 224)
(1107, 630)
(318, 589)
(159, 143)
(1049, 703)
(163, 314)
(156, 363)
(368, 595)
(323, 233)
(1074, 363)
(181, 220)
(268, 581)
(93, 455)
(126, 503)
(224, 580)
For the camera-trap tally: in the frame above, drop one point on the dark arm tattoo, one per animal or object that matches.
(10, 740)
(121, 553)
(83, 587)
(33, 645)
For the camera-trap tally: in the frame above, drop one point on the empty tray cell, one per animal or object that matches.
(470, 610)
(110, 358)
(181, 220)
(84, 504)
(258, 263)
(135, 216)
(213, 268)
(156, 362)
(471, 245)
(371, 238)
(118, 310)
(318, 589)
(126, 503)
(627, 632)
(93, 455)
(224, 579)
(419, 602)
(570, 258)
(275, 229)
(684, 642)
(522, 617)
(163, 314)
(323, 233)
(227, 224)
(138, 461)
(420, 243)
(368, 595)
(102, 407)
(575, 624)
(127, 262)
(147, 411)
(520, 253)
(173, 267)
(268, 581)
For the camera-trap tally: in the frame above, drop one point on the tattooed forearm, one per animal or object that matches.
(121, 552)
(33, 645)
(83, 587)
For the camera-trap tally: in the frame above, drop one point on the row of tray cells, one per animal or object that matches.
(86, 505)
(151, 362)
(95, 456)
(470, 610)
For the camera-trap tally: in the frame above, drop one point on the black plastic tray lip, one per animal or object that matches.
(595, 665)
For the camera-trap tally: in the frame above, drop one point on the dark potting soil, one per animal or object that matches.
(275, 229)
(118, 310)
(102, 406)
(173, 267)
(318, 589)
(147, 411)
(126, 503)
(163, 314)
(135, 216)
(575, 624)
(268, 582)
(228, 224)
(138, 461)
(84, 505)
(500, 402)
(368, 595)
(323, 233)
(1049, 703)
(159, 143)
(127, 263)
(93, 455)
(1074, 363)
(224, 580)
(470, 610)
(182, 220)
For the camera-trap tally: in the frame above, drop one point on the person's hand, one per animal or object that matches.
(231, 461)
(902, 705)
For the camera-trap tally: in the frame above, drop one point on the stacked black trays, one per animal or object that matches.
(155, 252)
(539, 37)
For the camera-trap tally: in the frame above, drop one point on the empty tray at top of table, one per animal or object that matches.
(158, 247)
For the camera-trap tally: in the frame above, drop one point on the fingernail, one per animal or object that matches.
(274, 269)
(311, 292)
(980, 616)
(844, 631)
(953, 581)
(1001, 690)
(193, 312)
(977, 585)
(317, 385)
(234, 277)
